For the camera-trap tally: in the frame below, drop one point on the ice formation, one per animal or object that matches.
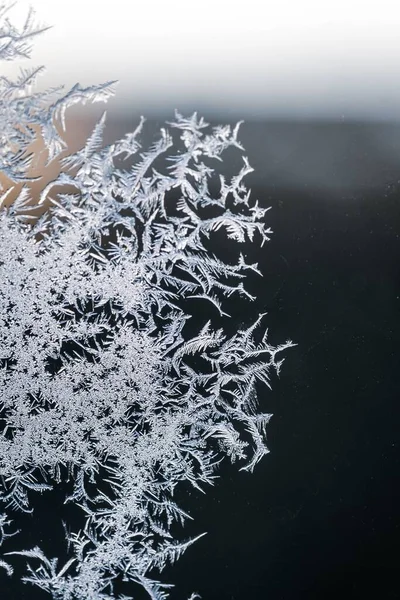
(99, 384)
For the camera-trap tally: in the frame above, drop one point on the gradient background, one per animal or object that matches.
(258, 59)
(318, 86)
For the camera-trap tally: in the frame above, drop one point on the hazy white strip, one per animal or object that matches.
(295, 56)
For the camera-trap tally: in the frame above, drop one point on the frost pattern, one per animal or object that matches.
(99, 384)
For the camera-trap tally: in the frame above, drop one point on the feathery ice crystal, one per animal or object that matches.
(99, 384)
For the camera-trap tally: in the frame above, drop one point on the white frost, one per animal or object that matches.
(98, 381)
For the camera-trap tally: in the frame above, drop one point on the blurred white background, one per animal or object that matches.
(257, 59)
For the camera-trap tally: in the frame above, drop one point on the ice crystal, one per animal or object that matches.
(99, 384)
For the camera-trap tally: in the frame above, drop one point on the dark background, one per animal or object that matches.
(319, 517)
